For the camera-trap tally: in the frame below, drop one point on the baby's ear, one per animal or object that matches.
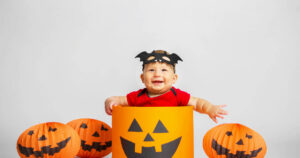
(175, 77)
(142, 77)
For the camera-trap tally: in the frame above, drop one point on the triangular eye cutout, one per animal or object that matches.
(30, 132)
(52, 129)
(229, 133)
(135, 127)
(103, 128)
(83, 125)
(248, 136)
(160, 128)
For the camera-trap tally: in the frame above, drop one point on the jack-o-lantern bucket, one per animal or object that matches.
(152, 132)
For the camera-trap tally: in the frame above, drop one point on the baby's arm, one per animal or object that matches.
(115, 101)
(203, 106)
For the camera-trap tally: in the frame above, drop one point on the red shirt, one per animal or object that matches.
(175, 97)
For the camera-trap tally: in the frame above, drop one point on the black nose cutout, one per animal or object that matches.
(240, 142)
(43, 137)
(148, 138)
(96, 134)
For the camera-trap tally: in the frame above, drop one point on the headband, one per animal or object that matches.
(164, 57)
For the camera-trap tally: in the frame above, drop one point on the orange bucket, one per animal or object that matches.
(151, 132)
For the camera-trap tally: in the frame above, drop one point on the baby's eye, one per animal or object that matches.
(151, 70)
(164, 70)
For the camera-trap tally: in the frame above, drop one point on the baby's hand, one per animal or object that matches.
(217, 111)
(109, 103)
(114, 101)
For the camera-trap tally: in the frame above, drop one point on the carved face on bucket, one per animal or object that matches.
(158, 142)
(233, 141)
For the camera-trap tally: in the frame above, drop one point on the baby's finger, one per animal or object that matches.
(220, 116)
(214, 119)
(223, 112)
(111, 105)
(108, 110)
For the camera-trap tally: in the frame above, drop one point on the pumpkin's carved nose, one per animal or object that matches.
(96, 134)
(240, 142)
(148, 138)
(43, 137)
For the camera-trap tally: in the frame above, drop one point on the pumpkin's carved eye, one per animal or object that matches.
(52, 129)
(248, 136)
(83, 125)
(160, 128)
(135, 127)
(30, 132)
(229, 133)
(103, 128)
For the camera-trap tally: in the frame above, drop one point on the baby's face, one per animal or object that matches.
(158, 78)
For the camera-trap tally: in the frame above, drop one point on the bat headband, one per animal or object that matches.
(158, 56)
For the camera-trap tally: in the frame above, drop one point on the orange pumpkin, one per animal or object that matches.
(233, 141)
(95, 137)
(48, 140)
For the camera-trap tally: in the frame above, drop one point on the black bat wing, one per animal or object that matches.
(143, 56)
(174, 57)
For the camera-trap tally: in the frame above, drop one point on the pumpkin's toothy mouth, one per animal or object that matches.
(96, 145)
(167, 149)
(44, 149)
(239, 154)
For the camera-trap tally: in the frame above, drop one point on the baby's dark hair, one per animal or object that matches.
(159, 56)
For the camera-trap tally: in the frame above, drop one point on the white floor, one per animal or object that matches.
(275, 150)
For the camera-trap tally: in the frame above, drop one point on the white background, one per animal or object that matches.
(60, 59)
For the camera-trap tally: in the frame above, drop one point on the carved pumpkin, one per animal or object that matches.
(48, 140)
(150, 132)
(233, 141)
(95, 137)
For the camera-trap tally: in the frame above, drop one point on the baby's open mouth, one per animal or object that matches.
(157, 82)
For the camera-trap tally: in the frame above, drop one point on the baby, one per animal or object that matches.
(158, 77)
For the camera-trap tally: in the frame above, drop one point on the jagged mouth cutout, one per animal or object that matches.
(28, 151)
(239, 154)
(167, 149)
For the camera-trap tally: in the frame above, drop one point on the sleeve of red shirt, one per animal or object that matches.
(183, 97)
(132, 97)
